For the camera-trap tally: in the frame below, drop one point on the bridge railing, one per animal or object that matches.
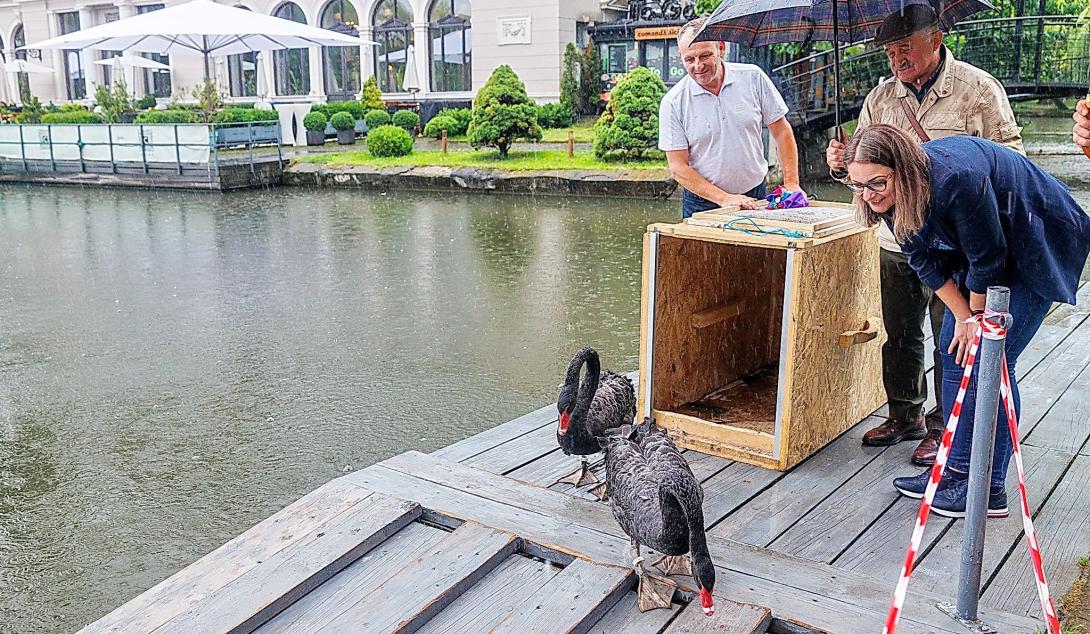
(1033, 56)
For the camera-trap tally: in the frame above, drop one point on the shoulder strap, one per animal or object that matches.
(912, 119)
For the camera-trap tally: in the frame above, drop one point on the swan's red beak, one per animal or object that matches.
(565, 419)
(706, 602)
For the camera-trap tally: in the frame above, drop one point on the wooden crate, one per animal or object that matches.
(759, 347)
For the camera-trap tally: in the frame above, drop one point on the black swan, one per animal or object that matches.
(601, 401)
(659, 504)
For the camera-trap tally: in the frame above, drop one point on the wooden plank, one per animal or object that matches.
(1063, 532)
(571, 602)
(716, 314)
(469, 447)
(939, 568)
(695, 433)
(426, 586)
(518, 452)
(232, 560)
(493, 598)
(732, 487)
(823, 533)
(280, 580)
(776, 509)
(626, 618)
(361, 577)
(1052, 378)
(1064, 427)
(795, 589)
(729, 618)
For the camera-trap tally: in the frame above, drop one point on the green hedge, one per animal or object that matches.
(406, 119)
(145, 103)
(460, 115)
(72, 116)
(167, 116)
(438, 123)
(554, 115)
(354, 108)
(376, 118)
(236, 114)
(389, 140)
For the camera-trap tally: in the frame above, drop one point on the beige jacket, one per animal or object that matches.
(963, 100)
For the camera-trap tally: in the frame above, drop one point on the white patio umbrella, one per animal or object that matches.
(23, 66)
(133, 62)
(411, 82)
(200, 28)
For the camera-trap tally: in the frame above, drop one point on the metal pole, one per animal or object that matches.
(836, 69)
(989, 367)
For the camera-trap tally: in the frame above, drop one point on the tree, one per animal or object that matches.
(590, 81)
(210, 98)
(570, 94)
(114, 101)
(372, 96)
(503, 113)
(630, 124)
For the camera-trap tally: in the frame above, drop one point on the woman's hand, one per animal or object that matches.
(964, 333)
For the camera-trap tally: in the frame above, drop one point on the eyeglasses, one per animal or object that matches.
(877, 185)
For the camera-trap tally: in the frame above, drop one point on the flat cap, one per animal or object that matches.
(911, 19)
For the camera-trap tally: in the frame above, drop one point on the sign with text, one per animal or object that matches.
(657, 32)
(661, 11)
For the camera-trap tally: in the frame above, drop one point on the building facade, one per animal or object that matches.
(454, 45)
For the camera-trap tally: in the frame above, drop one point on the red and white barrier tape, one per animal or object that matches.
(991, 327)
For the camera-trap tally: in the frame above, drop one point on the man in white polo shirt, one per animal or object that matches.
(710, 126)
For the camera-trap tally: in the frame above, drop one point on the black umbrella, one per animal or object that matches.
(763, 22)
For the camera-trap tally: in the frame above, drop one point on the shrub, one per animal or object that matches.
(462, 116)
(376, 118)
(554, 115)
(69, 107)
(353, 108)
(72, 116)
(372, 96)
(210, 98)
(437, 124)
(570, 95)
(389, 140)
(342, 121)
(146, 102)
(590, 80)
(244, 115)
(503, 113)
(31, 112)
(168, 116)
(630, 123)
(315, 121)
(406, 119)
(114, 101)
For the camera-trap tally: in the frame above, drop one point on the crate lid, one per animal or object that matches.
(821, 222)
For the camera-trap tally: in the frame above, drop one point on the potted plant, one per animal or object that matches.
(345, 125)
(315, 123)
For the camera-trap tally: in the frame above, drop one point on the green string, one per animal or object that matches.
(759, 230)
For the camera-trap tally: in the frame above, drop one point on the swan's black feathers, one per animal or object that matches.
(604, 400)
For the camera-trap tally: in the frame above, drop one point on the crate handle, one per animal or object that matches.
(856, 337)
(717, 314)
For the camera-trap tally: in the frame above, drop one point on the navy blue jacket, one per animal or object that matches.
(996, 217)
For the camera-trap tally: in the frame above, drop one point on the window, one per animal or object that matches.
(451, 45)
(291, 68)
(75, 84)
(341, 63)
(156, 82)
(242, 72)
(663, 59)
(18, 40)
(393, 30)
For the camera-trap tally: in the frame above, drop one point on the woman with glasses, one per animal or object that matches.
(969, 214)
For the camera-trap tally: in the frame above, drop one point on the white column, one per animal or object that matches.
(317, 77)
(87, 56)
(423, 55)
(60, 81)
(125, 9)
(367, 57)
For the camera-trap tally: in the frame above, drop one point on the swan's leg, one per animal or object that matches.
(653, 591)
(581, 476)
(675, 565)
(600, 491)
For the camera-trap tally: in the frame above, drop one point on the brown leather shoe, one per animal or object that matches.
(928, 448)
(894, 431)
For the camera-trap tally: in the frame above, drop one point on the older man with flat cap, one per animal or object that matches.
(930, 95)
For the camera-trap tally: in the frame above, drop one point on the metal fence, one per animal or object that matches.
(181, 149)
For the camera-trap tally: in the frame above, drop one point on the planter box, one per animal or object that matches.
(243, 134)
(315, 137)
(346, 137)
(759, 347)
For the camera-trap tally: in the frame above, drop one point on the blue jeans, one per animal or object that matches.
(1028, 311)
(691, 203)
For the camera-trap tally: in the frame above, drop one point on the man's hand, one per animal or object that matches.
(1080, 134)
(834, 155)
(794, 187)
(744, 202)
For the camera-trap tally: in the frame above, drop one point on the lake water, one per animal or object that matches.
(175, 367)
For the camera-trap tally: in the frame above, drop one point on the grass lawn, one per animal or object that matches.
(517, 160)
(583, 129)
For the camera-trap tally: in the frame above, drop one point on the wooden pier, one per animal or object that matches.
(475, 538)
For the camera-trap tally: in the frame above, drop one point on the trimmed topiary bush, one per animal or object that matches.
(437, 124)
(503, 113)
(315, 121)
(463, 116)
(389, 140)
(376, 118)
(554, 115)
(630, 124)
(406, 119)
(72, 116)
(372, 96)
(168, 116)
(570, 95)
(342, 121)
(244, 115)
